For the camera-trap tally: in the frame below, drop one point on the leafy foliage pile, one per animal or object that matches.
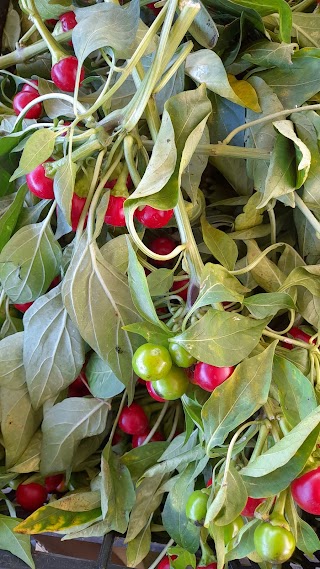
(160, 183)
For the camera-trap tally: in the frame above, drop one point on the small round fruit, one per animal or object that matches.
(173, 385)
(133, 420)
(232, 529)
(180, 356)
(22, 99)
(161, 246)
(78, 387)
(165, 562)
(152, 393)
(68, 21)
(31, 496)
(306, 491)
(251, 505)
(274, 544)
(29, 89)
(179, 284)
(151, 361)
(39, 184)
(300, 335)
(115, 211)
(209, 483)
(53, 483)
(23, 307)
(64, 73)
(77, 206)
(138, 440)
(196, 507)
(208, 377)
(153, 218)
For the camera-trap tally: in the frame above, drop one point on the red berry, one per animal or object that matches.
(162, 246)
(51, 22)
(153, 218)
(306, 491)
(53, 483)
(115, 211)
(64, 73)
(31, 496)
(55, 282)
(209, 483)
(152, 392)
(68, 21)
(138, 440)
(23, 307)
(111, 184)
(179, 284)
(28, 89)
(300, 335)
(39, 184)
(133, 420)
(117, 438)
(78, 387)
(155, 10)
(77, 206)
(165, 562)
(22, 99)
(208, 377)
(251, 505)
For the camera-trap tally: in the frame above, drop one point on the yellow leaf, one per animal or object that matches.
(246, 93)
(51, 519)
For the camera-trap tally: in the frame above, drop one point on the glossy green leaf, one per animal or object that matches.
(221, 338)
(235, 400)
(54, 351)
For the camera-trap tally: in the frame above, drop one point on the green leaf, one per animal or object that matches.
(302, 152)
(12, 372)
(29, 262)
(222, 247)
(63, 187)
(297, 397)
(243, 544)
(151, 332)
(19, 422)
(268, 304)
(64, 426)
(203, 28)
(307, 276)
(117, 491)
(148, 499)
(280, 454)
(49, 9)
(160, 281)
(217, 285)
(29, 461)
(306, 28)
(205, 66)
(103, 383)
(235, 400)
(270, 54)
(9, 216)
(235, 498)
(51, 519)
(184, 558)
(108, 25)
(95, 293)
(251, 216)
(18, 545)
(37, 150)
(220, 338)
(115, 252)
(140, 292)
(307, 539)
(140, 459)
(266, 7)
(265, 273)
(307, 125)
(174, 518)
(54, 351)
(138, 548)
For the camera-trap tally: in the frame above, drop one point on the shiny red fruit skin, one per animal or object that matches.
(165, 562)
(209, 483)
(300, 335)
(251, 505)
(138, 440)
(152, 392)
(77, 206)
(39, 184)
(21, 100)
(28, 89)
(115, 212)
(133, 420)
(306, 491)
(53, 482)
(208, 377)
(64, 73)
(153, 218)
(162, 246)
(31, 496)
(78, 388)
(117, 438)
(51, 22)
(179, 284)
(23, 307)
(155, 10)
(68, 21)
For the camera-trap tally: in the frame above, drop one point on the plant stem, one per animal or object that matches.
(22, 54)
(186, 234)
(288, 340)
(261, 439)
(269, 118)
(223, 150)
(308, 214)
(162, 554)
(80, 153)
(157, 423)
(56, 51)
